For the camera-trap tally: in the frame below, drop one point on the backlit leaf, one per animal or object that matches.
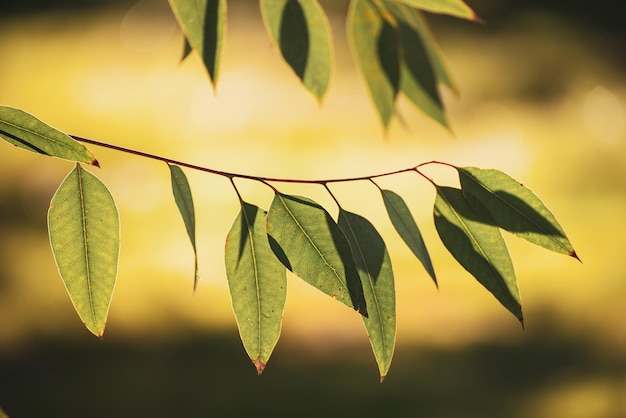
(515, 208)
(374, 266)
(302, 32)
(477, 246)
(374, 44)
(203, 23)
(26, 131)
(309, 243)
(455, 8)
(257, 283)
(405, 225)
(184, 201)
(84, 228)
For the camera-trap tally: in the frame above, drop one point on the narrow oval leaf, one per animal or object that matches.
(515, 208)
(26, 131)
(374, 266)
(184, 201)
(477, 246)
(203, 23)
(257, 283)
(405, 225)
(374, 44)
(84, 228)
(302, 32)
(309, 243)
(456, 8)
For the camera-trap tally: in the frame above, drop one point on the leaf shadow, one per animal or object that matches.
(26, 144)
(210, 36)
(294, 37)
(388, 56)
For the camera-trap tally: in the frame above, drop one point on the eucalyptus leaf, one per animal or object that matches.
(309, 243)
(374, 266)
(478, 246)
(456, 8)
(84, 229)
(26, 131)
(257, 283)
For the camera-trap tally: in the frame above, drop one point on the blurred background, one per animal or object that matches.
(542, 97)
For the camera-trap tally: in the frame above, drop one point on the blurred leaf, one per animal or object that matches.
(515, 208)
(405, 225)
(309, 243)
(374, 44)
(26, 131)
(203, 22)
(478, 246)
(84, 228)
(186, 49)
(455, 8)
(301, 31)
(374, 266)
(257, 283)
(3, 414)
(184, 201)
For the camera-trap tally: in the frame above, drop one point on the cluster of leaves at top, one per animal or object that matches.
(345, 258)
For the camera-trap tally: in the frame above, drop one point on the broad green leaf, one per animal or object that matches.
(257, 283)
(203, 23)
(456, 8)
(309, 243)
(84, 229)
(418, 80)
(477, 246)
(302, 32)
(26, 131)
(515, 208)
(405, 225)
(374, 266)
(374, 44)
(184, 201)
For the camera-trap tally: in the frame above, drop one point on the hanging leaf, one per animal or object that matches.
(478, 246)
(302, 32)
(374, 266)
(84, 229)
(515, 208)
(456, 8)
(374, 44)
(184, 201)
(26, 131)
(203, 23)
(405, 225)
(309, 243)
(257, 283)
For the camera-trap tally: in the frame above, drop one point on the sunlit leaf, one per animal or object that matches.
(477, 246)
(84, 229)
(374, 266)
(455, 8)
(405, 225)
(515, 208)
(26, 131)
(302, 32)
(184, 201)
(203, 23)
(309, 243)
(257, 283)
(374, 44)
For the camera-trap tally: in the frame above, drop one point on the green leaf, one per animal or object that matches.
(418, 80)
(203, 22)
(84, 229)
(477, 246)
(455, 8)
(374, 44)
(515, 208)
(309, 243)
(186, 50)
(405, 225)
(26, 131)
(302, 32)
(374, 266)
(184, 201)
(257, 283)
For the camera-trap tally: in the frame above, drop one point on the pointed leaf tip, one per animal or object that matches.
(260, 366)
(573, 254)
(95, 163)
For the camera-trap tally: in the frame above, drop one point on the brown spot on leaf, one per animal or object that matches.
(260, 366)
